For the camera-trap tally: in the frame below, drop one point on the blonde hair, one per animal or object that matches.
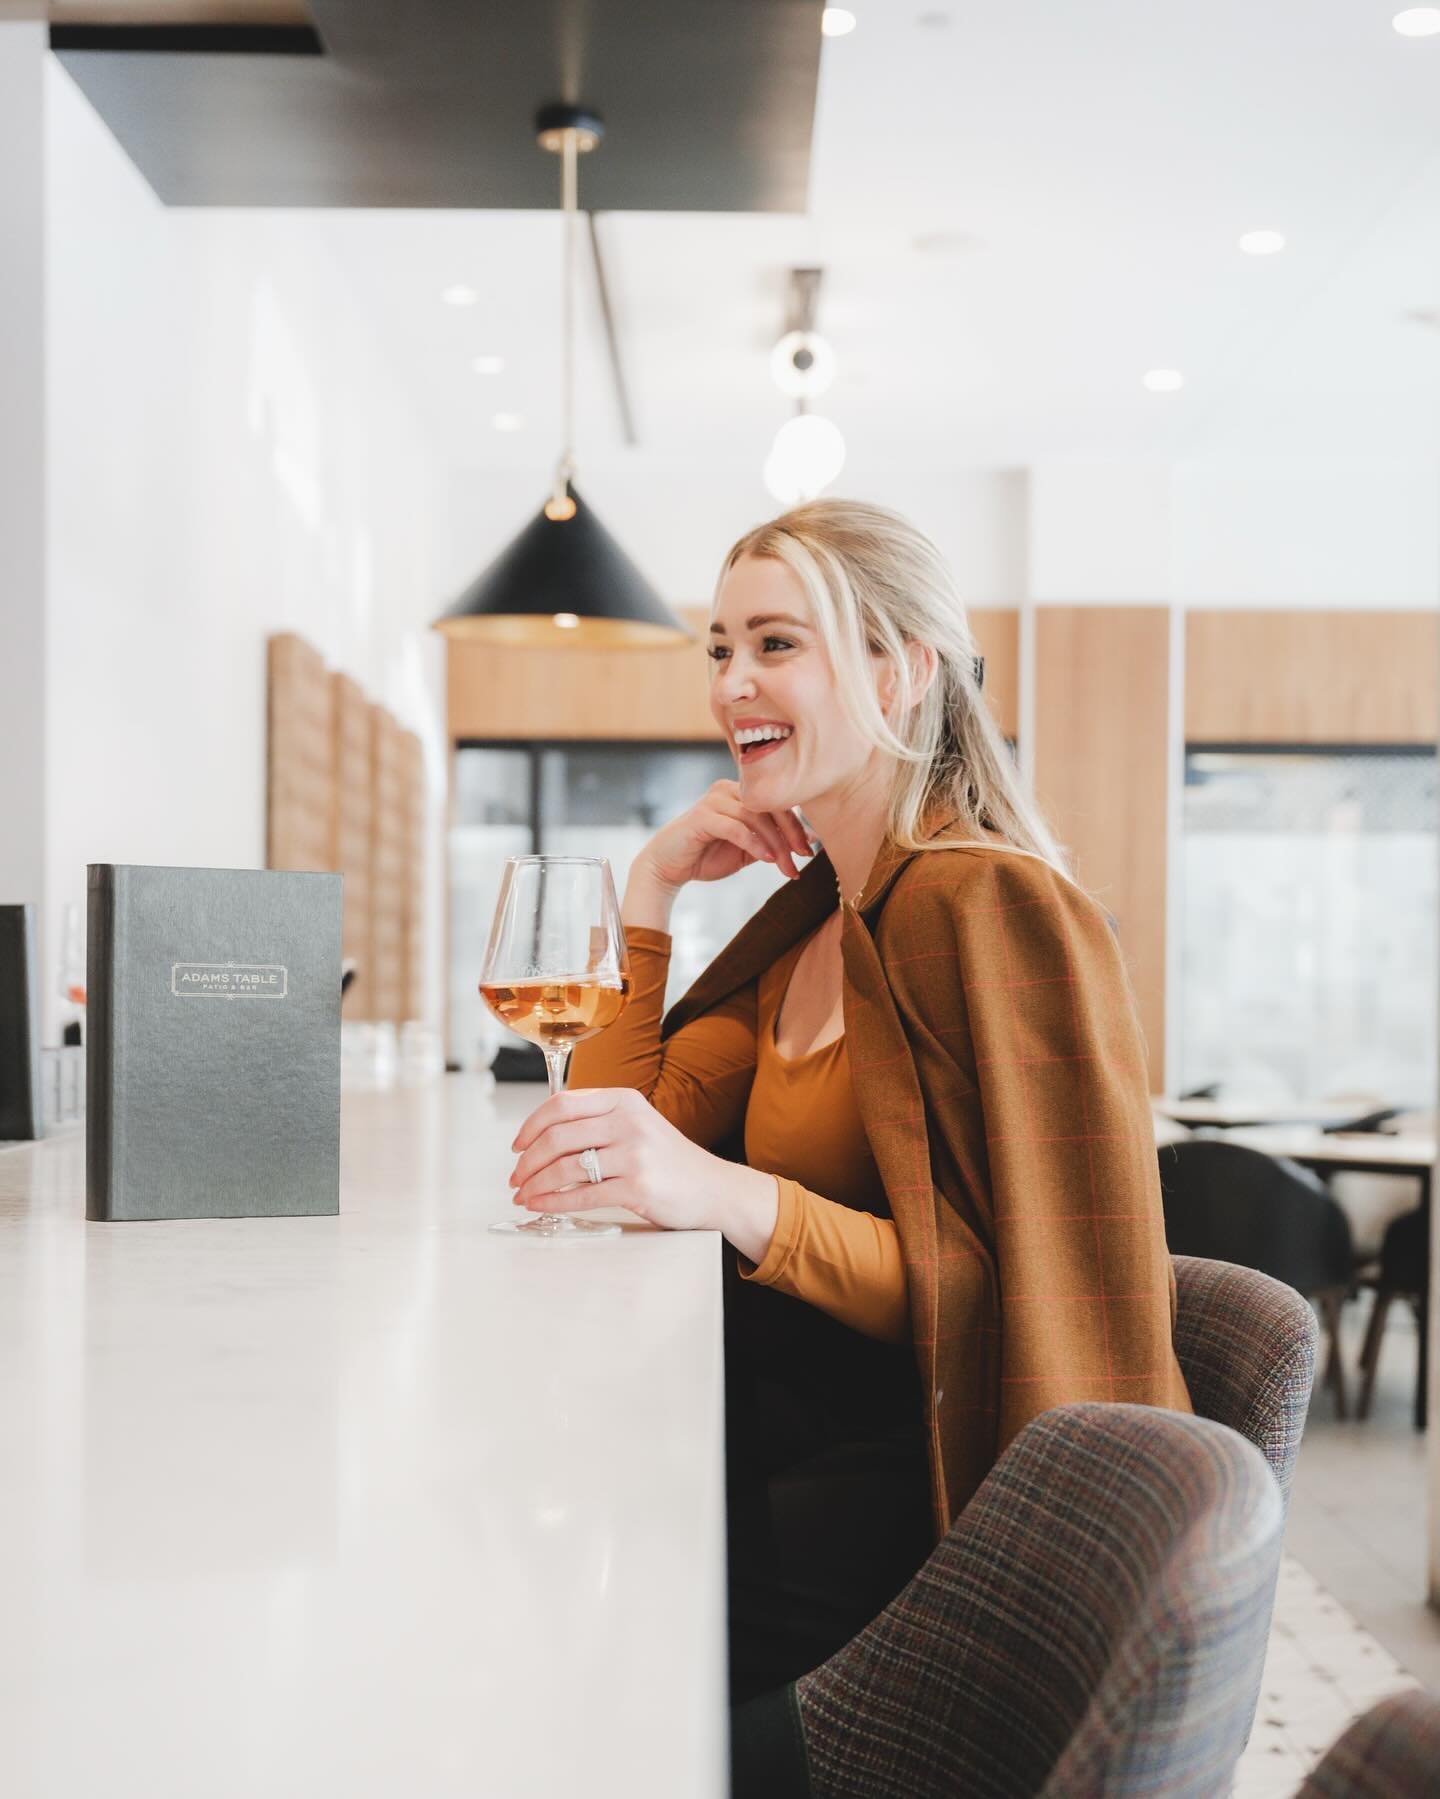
(876, 585)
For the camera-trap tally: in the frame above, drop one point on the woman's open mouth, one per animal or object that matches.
(750, 746)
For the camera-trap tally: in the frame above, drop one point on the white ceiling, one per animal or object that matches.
(1095, 163)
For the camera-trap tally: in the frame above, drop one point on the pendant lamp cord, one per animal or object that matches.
(570, 203)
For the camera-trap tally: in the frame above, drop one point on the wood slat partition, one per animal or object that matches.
(1311, 677)
(300, 754)
(413, 763)
(387, 962)
(1101, 760)
(351, 847)
(346, 791)
(499, 692)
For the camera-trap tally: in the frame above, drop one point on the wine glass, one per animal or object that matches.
(556, 971)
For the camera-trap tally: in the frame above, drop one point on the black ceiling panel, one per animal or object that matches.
(708, 104)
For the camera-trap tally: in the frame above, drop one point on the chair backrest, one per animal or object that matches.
(1246, 1346)
(1232, 1204)
(1392, 1752)
(1405, 1252)
(1094, 1621)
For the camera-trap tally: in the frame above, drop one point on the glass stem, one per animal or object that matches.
(557, 1060)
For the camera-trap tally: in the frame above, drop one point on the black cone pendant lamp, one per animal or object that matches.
(564, 580)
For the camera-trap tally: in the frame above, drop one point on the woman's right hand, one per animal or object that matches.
(718, 837)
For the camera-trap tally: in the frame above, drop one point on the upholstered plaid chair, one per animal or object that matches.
(1094, 1622)
(1393, 1752)
(1246, 1345)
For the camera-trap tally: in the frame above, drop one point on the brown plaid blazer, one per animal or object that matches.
(1001, 1079)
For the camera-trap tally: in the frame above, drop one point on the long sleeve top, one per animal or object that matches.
(835, 1245)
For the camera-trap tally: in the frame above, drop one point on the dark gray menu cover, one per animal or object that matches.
(213, 1055)
(22, 1112)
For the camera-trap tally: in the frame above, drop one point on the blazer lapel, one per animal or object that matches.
(797, 909)
(890, 864)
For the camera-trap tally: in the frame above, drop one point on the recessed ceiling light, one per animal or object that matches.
(507, 421)
(488, 365)
(1262, 243)
(1418, 21)
(459, 295)
(1164, 381)
(835, 21)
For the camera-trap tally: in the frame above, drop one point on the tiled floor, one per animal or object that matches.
(1351, 1622)
(1357, 1515)
(1322, 1670)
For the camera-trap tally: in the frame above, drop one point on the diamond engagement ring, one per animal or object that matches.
(590, 1162)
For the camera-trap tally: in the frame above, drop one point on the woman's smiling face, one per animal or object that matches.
(773, 691)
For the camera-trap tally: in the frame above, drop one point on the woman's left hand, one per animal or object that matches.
(646, 1165)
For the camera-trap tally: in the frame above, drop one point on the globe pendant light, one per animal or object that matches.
(564, 580)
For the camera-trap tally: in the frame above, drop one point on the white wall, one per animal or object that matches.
(228, 456)
(22, 465)
(1100, 532)
(1234, 531)
(1342, 532)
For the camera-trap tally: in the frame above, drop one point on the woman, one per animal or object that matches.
(921, 1116)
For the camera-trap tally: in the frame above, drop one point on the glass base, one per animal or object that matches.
(556, 1230)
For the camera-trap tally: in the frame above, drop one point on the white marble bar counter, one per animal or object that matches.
(382, 1504)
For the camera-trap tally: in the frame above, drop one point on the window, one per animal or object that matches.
(1308, 957)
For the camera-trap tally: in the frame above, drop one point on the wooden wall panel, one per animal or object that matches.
(519, 695)
(351, 848)
(389, 873)
(499, 692)
(1101, 729)
(346, 791)
(413, 761)
(997, 631)
(300, 749)
(1311, 677)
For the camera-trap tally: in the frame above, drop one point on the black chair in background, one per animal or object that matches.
(1404, 1274)
(1231, 1204)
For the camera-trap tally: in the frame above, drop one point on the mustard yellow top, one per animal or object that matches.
(835, 1245)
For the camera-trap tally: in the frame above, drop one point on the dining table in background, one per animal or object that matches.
(1229, 1114)
(1346, 1152)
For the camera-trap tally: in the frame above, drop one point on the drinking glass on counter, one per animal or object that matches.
(556, 971)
